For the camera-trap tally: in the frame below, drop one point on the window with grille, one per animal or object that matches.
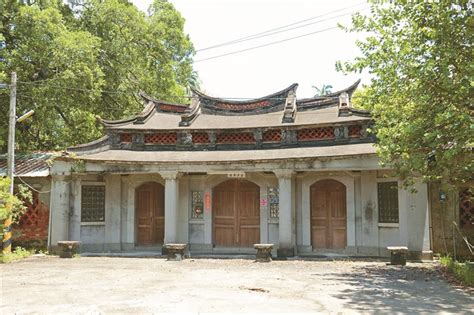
(466, 209)
(93, 203)
(387, 193)
(197, 204)
(274, 202)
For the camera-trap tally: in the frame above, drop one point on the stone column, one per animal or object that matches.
(59, 213)
(287, 210)
(75, 204)
(171, 206)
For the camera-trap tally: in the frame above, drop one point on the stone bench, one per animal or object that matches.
(398, 255)
(264, 252)
(68, 248)
(175, 252)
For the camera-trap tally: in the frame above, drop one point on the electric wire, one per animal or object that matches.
(260, 34)
(267, 44)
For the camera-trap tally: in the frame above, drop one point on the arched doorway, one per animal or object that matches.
(236, 213)
(150, 213)
(328, 214)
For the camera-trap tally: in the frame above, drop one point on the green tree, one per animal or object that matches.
(324, 90)
(420, 53)
(12, 206)
(86, 59)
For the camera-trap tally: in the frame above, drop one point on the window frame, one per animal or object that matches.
(105, 203)
(388, 180)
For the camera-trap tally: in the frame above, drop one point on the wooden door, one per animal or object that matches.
(150, 213)
(328, 214)
(236, 213)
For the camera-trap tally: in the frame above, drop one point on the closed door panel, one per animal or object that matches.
(236, 213)
(328, 214)
(149, 200)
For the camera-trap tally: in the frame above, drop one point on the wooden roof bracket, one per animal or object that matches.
(289, 113)
(344, 105)
(190, 114)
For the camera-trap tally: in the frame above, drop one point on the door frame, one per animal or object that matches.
(237, 216)
(306, 181)
(135, 209)
(328, 227)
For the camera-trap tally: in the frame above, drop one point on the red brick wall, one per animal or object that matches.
(33, 225)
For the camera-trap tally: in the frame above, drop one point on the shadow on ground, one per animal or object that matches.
(397, 289)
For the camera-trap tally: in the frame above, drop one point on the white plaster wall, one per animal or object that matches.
(59, 212)
(113, 207)
(369, 213)
(418, 223)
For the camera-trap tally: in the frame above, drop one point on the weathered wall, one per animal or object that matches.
(442, 228)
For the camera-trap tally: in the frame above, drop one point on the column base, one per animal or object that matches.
(285, 252)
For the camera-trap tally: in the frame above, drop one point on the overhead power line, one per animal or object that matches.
(268, 44)
(277, 29)
(282, 31)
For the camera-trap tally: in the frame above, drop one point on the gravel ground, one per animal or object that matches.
(145, 285)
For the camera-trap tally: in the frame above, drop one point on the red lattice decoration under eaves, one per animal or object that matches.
(171, 108)
(354, 131)
(161, 138)
(33, 225)
(244, 137)
(243, 106)
(200, 137)
(126, 137)
(466, 209)
(315, 134)
(272, 136)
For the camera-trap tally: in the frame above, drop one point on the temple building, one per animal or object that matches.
(221, 175)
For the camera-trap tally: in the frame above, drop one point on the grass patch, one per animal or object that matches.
(18, 254)
(459, 269)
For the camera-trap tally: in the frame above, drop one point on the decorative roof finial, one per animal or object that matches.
(344, 104)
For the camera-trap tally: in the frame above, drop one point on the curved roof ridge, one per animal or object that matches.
(157, 101)
(152, 105)
(236, 102)
(350, 89)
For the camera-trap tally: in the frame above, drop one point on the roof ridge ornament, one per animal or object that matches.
(192, 112)
(344, 104)
(289, 113)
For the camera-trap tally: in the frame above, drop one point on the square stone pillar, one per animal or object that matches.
(286, 223)
(59, 213)
(171, 206)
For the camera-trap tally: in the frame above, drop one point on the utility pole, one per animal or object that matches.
(11, 131)
(7, 224)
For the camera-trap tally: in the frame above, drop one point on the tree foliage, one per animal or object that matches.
(420, 53)
(12, 206)
(323, 90)
(86, 59)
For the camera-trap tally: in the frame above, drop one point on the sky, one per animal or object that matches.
(308, 60)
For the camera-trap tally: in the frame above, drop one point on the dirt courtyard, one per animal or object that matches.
(149, 285)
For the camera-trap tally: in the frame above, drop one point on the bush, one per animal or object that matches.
(461, 270)
(17, 254)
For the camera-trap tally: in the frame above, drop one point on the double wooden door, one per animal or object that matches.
(150, 213)
(236, 213)
(328, 214)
